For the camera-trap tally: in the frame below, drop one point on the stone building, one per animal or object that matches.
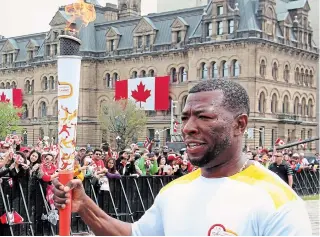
(266, 45)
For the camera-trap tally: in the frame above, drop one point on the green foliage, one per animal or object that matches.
(122, 118)
(9, 119)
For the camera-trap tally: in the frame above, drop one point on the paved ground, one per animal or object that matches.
(313, 209)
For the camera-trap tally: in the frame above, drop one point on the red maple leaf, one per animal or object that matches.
(141, 95)
(3, 98)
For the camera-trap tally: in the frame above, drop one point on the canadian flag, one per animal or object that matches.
(280, 142)
(13, 96)
(149, 93)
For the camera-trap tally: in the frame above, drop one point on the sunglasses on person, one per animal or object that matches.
(98, 154)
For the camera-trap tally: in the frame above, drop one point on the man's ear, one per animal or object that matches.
(240, 124)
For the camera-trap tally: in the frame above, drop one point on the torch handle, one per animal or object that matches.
(65, 214)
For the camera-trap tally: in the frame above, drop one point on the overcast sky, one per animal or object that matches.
(21, 17)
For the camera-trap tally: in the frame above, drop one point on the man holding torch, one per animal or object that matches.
(228, 195)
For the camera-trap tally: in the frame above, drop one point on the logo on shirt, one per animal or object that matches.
(220, 230)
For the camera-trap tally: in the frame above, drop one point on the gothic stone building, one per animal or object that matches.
(266, 45)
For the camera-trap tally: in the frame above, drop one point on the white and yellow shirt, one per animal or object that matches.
(253, 202)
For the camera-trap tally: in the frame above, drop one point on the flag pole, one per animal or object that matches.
(171, 127)
(69, 67)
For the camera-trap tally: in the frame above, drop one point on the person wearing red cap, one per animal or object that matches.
(228, 195)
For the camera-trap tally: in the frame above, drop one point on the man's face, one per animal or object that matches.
(82, 152)
(208, 128)
(97, 155)
(279, 157)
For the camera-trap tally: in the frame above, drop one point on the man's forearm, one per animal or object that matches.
(290, 180)
(100, 223)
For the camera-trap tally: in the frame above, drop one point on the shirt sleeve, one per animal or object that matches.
(292, 219)
(289, 170)
(150, 223)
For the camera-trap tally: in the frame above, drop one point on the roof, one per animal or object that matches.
(93, 36)
(248, 21)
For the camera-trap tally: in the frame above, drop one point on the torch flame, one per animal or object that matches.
(82, 11)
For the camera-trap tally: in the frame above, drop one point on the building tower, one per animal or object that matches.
(129, 8)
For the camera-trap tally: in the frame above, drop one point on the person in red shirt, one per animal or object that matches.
(97, 158)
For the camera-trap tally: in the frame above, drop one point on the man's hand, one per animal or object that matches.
(62, 194)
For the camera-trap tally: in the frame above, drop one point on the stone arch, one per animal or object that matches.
(202, 60)
(311, 96)
(155, 71)
(286, 92)
(296, 94)
(54, 100)
(173, 96)
(42, 99)
(101, 99)
(26, 103)
(132, 70)
(186, 67)
(182, 94)
(304, 95)
(263, 58)
(286, 63)
(171, 66)
(270, 12)
(275, 61)
(275, 91)
(263, 89)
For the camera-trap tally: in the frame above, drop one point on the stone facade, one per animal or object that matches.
(278, 70)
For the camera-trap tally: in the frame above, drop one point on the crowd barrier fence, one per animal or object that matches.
(127, 200)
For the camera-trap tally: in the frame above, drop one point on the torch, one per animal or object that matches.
(69, 66)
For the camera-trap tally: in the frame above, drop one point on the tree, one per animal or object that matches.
(9, 119)
(122, 119)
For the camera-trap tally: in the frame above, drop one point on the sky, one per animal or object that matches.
(21, 17)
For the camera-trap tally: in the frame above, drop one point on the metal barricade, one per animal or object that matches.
(129, 198)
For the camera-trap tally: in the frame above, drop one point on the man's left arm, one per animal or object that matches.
(290, 175)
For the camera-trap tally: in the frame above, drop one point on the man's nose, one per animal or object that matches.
(190, 127)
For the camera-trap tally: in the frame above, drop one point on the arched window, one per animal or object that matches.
(27, 87)
(183, 74)
(143, 73)
(263, 68)
(262, 103)
(43, 109)
(2, 86)
(115, 77)
(45, 83)
(52, 83)
(235, 68)
(285, 105)
(274, 104)
(32, 86)
(311, 79)
(25, 113)
(151, 73)
(275, 71)
(301, 77)
(55, 109)
(224, 67)
(309, 144)
(173, 75)
(14, 85)
(184, 101)
(204, 71)
(303, 107)
(107, 81)
(297, 76)
(306, 78)
(134, 74)
(214, 68)
(8, 85)
(296, 106)
(286, 73)
(170, 103)
(310, 108)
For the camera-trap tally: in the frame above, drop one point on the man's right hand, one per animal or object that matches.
(62, 194)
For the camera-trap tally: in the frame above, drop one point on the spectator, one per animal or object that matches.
(147, 164)
(127, 166)
(282, 169)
